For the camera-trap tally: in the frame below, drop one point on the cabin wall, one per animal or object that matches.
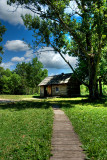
(42, 91)
(73, 88)
(70, 89)
(59, 90)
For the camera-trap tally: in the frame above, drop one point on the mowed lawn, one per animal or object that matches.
(16, 97)
(26, 127)
(25, 130)
(90, 123)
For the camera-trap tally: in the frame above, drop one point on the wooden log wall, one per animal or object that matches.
(62, 90)
(42, 91)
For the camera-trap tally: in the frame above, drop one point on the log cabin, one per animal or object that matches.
(63, 85)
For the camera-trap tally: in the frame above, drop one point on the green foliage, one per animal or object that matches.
(105, 89)
(15, 83)
(82, 67)
(10, 83)
(24, 79)
(31, 74)
(84, 90)
(25, 131)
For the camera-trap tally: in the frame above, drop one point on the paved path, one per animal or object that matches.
(65, 142)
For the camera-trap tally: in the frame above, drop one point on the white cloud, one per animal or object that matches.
(17, 59)
(13, 15)
(50, 59)
(6, 65)
(16, 45)
(72, 7)
(28, 60)
(29, 54)
(8, 13)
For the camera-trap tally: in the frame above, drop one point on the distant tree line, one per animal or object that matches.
(24, 79)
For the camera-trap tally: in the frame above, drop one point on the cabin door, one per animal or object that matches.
(45, 91)
(49, 90)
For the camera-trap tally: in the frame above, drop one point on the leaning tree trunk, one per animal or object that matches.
(93, 86)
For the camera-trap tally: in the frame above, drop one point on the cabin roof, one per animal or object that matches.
(56, 79)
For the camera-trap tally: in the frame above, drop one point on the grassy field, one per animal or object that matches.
(25, 130)
(26, 126)
(16, 97)
(90, 122)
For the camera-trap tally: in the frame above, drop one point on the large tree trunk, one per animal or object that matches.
(93, 86)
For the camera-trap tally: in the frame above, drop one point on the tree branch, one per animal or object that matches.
(73, 33)
(56, 49)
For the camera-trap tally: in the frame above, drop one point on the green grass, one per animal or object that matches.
(90, 123)
(26, 127)
(15, 97)
(25, 130)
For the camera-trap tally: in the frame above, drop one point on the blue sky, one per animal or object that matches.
(16, 49)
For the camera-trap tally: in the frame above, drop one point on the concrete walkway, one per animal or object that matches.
(65, 142)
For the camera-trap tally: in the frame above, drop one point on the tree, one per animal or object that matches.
(10, 83)
(21, 71)
(82, 70)
(15, 84)
(35, 73)
(2, 31)
(103, 70)
(31, 74)
(4, 80)
(1, 74)
(53, 24)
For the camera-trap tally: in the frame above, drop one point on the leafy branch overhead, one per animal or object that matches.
(55, 24)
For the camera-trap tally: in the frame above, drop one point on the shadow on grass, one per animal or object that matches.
(63, 102)
(72, 102)
(36, 97)
(24, 105)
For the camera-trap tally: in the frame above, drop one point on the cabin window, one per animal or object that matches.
(57, 89)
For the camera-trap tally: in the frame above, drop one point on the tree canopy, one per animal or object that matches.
(55, 24)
